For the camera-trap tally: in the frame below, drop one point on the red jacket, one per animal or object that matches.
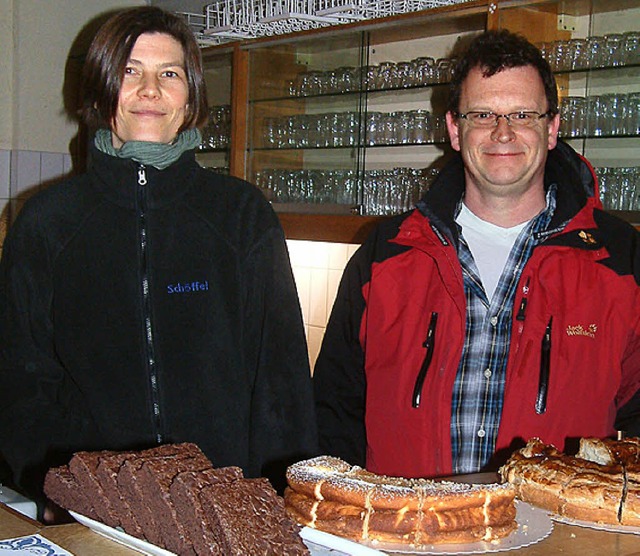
(584, 276)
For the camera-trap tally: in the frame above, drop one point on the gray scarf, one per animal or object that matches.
(158, 155)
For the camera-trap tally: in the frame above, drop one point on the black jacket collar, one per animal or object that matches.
(564, 167)
(117, 179)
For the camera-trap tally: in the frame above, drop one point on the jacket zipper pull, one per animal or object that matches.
(545, 369)
(142, 175)
(429, 344)
(523, 303)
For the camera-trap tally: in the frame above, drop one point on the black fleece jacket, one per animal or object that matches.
(140, 307)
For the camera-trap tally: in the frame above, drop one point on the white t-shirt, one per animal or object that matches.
(489, 244)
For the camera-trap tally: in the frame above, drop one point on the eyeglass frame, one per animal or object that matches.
(507, 117)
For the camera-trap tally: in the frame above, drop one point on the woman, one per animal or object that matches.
(149, 300)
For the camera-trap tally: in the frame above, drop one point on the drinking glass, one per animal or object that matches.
(613, 114)
(613, 51)
(572, 115)
(403, 75)
(421, 130)
(388, 128)
(632, 118)
(595, 49)
(386, 75)
(423, 70)
(561, 56)
(611, 194)
(578, 54)
(373, 128)
(443, 70)
(404, 125)
(627, 184)
(631, 48)
(595, 116)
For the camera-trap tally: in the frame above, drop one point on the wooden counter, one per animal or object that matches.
(565, 539)
(73, 537)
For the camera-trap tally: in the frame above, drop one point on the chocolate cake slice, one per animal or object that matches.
(83, 466)
(61, 487)
(132, 487)
(155, 477)
(107, 472)
(184, 491)
(248, 517)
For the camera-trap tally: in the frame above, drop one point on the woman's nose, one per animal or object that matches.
(149, 86)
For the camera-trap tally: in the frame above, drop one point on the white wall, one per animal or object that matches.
(6, 70)
(40, 64)
(36, 40)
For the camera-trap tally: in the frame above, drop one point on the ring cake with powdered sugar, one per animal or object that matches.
(328, 494)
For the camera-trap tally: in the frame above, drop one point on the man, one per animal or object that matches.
(505, 306)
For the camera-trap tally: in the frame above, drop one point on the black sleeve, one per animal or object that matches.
(339, 377)
(41, 412)
(283, 421)
(628, 417)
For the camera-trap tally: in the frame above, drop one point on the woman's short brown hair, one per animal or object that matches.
(109, 54)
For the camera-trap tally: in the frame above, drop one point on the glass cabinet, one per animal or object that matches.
(341, 126)
(351, 121)
(596, 57)
(214, 152)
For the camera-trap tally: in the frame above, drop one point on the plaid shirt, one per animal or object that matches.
(479, 386)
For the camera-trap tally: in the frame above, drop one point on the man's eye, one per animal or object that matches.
(482, 115)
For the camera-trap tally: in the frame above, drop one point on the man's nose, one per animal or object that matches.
(503, 131)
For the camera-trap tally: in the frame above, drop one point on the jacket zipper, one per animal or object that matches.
(146, 301)
(545, 369)
(429, 344)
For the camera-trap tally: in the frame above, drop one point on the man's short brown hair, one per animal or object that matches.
(494, 51)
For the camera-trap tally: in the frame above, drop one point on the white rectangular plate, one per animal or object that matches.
(121, 537)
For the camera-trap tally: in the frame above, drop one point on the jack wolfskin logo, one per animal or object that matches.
(579, 330)
(188, 287)
(587, 237)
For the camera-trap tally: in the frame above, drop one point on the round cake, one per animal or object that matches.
(329, 494)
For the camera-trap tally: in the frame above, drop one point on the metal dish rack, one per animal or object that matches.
(227, 20)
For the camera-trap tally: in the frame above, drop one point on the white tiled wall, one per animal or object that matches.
(22, 173)
(317, 268)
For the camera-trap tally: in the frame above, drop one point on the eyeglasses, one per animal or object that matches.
(524, 118)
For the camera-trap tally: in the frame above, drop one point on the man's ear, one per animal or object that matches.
(454, 130)
(554, 126)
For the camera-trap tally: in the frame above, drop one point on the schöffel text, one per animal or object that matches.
(189, 287)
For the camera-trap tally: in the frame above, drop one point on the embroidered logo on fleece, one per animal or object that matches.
(188, 287)
(579, 330)
(587, 237)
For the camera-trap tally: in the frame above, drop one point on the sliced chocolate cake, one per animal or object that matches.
(107, 474)
(178, 501)
(63, 489)
(83, 466)
(132, 487)
(185, 491)
(155, 477)
(248, 517)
